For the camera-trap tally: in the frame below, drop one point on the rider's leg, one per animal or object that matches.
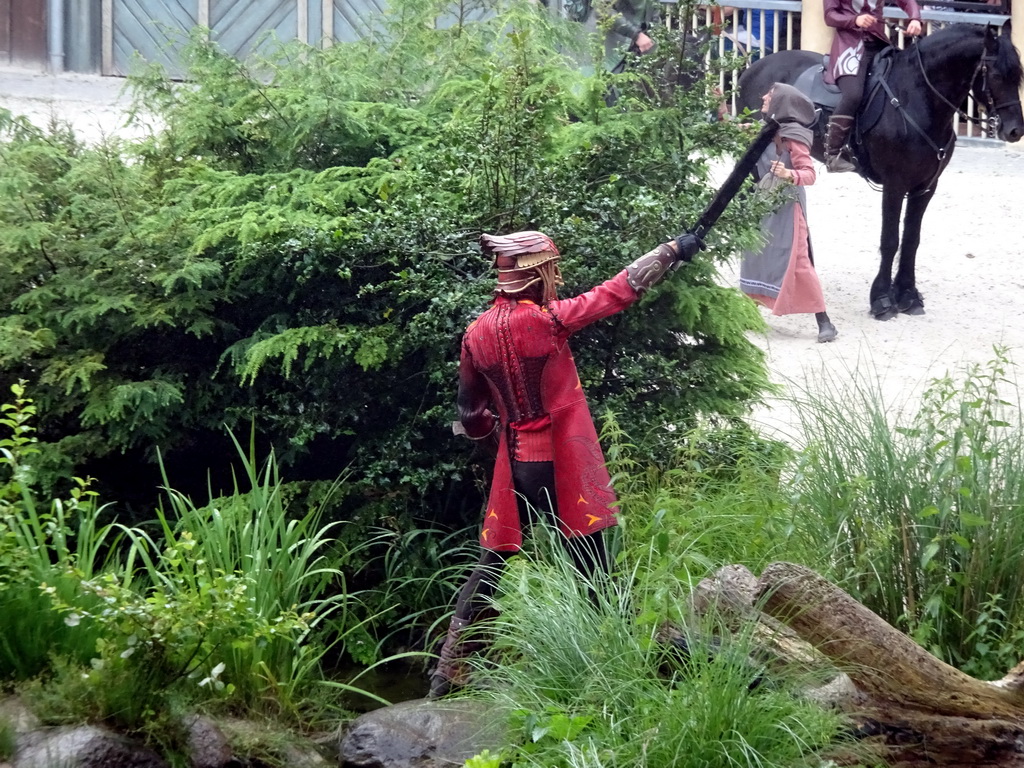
(852, 89)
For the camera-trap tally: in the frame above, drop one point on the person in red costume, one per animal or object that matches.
(518, 387)
(860, 35)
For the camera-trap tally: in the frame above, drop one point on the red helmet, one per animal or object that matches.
(519, 258)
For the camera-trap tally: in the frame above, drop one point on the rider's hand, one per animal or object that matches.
(643, 43)
(914, 28)
(865, 20)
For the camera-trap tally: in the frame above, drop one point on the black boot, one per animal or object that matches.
(452, 670)
(836, 159)
(826, 331)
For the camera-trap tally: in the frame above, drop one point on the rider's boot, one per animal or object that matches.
(452, 670)
(835, 140)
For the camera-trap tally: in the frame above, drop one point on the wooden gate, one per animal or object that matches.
(156, 31)
(242, 26)
(23, 33)
(140, 29)
(351, 20)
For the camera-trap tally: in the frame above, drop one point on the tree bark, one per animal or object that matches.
(919, 710)
(882, 661)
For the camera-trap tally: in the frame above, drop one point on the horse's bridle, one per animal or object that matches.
(991, 108)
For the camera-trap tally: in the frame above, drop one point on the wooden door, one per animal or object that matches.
(23, 33)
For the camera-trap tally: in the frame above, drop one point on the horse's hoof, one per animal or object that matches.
(883, 309)
(911, 303)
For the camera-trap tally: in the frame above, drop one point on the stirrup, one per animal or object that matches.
(838, 164)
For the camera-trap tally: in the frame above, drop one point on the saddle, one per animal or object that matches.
(825, 96)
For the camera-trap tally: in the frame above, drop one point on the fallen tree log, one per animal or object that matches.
(920, 710)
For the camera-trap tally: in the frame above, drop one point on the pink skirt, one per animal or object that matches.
(800, 292)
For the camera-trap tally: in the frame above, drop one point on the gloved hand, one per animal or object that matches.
(687, 246)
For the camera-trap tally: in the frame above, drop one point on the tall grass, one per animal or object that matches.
(8, 739)
(285, 567)
(716, 499)
(589, 684)
(921, 514)
(51, 544)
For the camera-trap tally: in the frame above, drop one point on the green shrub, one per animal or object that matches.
(716, 499)
(296, 245)
(228, 602)
(41, 547)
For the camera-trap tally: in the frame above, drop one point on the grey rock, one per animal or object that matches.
(85, 746)
(208, 747)
(21, 718)
(422, 734)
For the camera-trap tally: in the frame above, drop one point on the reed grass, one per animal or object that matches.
(288, 566)
(589, 682)
(52, 546)
(918, 508)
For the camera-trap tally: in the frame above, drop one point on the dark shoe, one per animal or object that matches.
(836, 158)
(826, 332)
(452, 670)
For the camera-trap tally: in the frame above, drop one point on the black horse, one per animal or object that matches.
(912, 138)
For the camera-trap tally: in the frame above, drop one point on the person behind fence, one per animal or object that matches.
(751, 31)
(781, 275)
(520, 392)
(624, 23)
(860, 35)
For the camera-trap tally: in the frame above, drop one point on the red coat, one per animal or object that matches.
(847, 45)
(516, 360)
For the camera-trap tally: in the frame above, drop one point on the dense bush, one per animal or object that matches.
(295, 246)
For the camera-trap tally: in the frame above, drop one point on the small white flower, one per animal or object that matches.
(72, 619)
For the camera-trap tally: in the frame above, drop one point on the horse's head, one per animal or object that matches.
(997, 85)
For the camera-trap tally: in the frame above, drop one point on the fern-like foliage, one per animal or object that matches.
(295, 245)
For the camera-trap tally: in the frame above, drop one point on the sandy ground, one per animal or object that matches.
(970, 263)
(969, 270)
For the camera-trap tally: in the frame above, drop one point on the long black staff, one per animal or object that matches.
(732, 184)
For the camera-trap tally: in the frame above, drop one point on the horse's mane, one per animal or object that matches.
(1007, 63)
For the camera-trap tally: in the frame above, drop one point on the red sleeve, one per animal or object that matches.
(910, 8)
(839, 15)
(802, 165)
(599, 302)
(474, 398)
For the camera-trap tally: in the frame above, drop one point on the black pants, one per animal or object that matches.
(534, 482)
(852, 86)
